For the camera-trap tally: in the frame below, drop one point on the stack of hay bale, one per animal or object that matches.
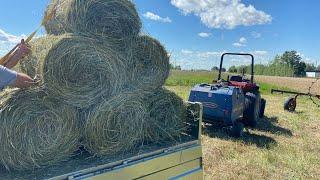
(101, 87)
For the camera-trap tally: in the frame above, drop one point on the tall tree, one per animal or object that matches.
(294, 60)
(214, 68)
(311, 67)
(232, 69)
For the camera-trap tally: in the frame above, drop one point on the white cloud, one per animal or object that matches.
(205, 60)
(209, 54)
(236, 44)
(189, 59)
(8, 41)
(242, 42)
(201, 54)
(186, 51)
(225, 14)
(301, 54)
(308, 60)
(155, 17)
(204, 35)
(259, 53)
(256, 35)
(6, 37)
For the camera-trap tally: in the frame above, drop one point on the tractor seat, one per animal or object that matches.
(236, 78)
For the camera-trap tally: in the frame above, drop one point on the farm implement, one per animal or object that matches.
(236, 101)
(291, 103)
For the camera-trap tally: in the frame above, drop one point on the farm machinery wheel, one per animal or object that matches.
(290, 104)
(262, 108)
(252, 111)
(237, 129)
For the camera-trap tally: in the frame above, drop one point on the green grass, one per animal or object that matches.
(283, 146)
(191, 78)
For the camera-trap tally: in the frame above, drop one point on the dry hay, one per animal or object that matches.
(57, 24)
(314, 87)
(35, 131)
(40, 47)
(167, 116)
(116, 126)
(150, 63)
(81, 72)
(116, 22)
(296, 84)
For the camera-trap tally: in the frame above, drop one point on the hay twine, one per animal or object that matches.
(81, 72)
(117, 125)
(35, 131)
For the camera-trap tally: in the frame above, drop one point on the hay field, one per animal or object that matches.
(283, 146)
(297, 84)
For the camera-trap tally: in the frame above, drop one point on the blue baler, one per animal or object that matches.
(220, 103)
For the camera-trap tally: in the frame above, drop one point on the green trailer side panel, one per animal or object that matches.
(163, 167)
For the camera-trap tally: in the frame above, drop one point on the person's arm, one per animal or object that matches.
(12, 78)
(22, 50)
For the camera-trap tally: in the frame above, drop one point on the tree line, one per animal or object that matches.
(175, 67)
(288, 64)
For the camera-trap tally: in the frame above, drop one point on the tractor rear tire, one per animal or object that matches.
(237, 129)
(252, 109)
(262, 108)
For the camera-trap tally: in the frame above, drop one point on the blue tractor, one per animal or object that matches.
(235, 101)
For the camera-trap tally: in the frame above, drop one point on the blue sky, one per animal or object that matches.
(196, 32)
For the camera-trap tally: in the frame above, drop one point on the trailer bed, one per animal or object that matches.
(83, 162)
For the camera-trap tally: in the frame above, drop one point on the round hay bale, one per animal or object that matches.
(115, 22)
(81, 72)
(168, 115)
(40, 47)
(116, 126)
(150, 63)
(57, 25)
(35, 131)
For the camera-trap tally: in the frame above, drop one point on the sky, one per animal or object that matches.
(196, 32)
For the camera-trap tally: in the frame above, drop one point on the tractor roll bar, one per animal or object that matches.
(237, 54)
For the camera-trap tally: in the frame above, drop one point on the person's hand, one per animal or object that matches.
(23, 50)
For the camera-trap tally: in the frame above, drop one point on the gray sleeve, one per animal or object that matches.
(7, 77)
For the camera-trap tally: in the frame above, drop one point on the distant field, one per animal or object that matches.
(190, 78)
(283, 146)
(298, 84)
